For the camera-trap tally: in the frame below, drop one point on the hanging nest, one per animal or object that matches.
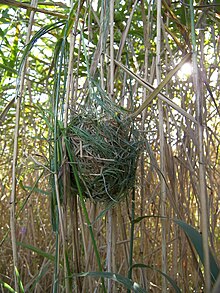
(105, 154)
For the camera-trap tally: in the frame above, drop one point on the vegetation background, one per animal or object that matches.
(53, 57)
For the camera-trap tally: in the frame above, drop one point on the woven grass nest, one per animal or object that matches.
(106, 153)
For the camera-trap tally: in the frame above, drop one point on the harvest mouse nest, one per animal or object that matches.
(105, 153)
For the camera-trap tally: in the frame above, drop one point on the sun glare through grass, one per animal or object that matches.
(185, 71)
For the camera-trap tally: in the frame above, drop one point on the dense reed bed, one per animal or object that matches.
(109, 146)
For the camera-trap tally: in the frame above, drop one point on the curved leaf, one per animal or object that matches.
(196, 239)
(127, 283)
(8, 287)
(36, 250)
(19, 281)
(169, 279)
(40, 33)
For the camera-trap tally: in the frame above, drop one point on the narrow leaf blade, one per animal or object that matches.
(196, 239)
(127, 283)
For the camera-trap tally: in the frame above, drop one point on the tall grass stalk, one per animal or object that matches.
(156, 92)
(204, 224)
(57, 159)
(162, 150)
(109, 247)
(111, 29)
(131, 236)
(110, 215)
(15, 153)
(32, 7)
(73, 203)
(125, 32)
(143, 188)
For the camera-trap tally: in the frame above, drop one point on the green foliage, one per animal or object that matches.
(44, 30)
(6, 286)
(170, 280)
(127, 283)
(196, 239)
(19, 281)
(36, 250)
(41, 149)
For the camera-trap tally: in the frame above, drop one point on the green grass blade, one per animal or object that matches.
(37, 190)
(127, 283)
(196, 239)
(55, 225)
(169, 279)
(19, 280)
(36, 250)
(131, 236)
(56, 259)
(6, 286)
(8, 68)
(38, 35)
